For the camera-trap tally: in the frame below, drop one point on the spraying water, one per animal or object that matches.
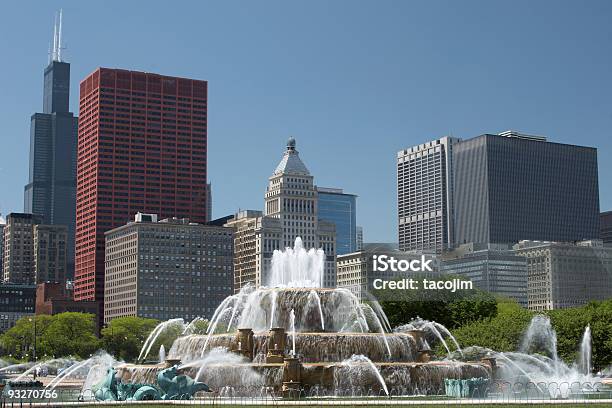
(148, 344)
(292, 323)
(192, 327)
(16, 367)
(54, 364)
(162, 354)
(433, 328)
(306, 267)
(352, 373)
(83, 368)
(584, 359)
(314, 298)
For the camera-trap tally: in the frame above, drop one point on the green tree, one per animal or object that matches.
(123, 337)
(502, 332)
(72, 333)
(18, 341)
(56, 336)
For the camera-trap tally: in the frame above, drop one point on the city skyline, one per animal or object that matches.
(567, 104)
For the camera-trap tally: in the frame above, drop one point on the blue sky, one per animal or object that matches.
(352, 81)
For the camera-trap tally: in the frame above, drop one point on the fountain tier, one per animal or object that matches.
(311, 347)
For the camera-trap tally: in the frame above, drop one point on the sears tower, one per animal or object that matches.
(51, 189)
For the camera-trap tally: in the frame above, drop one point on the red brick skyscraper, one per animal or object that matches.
(141, 147)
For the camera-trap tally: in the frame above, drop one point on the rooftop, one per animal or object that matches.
(291, 162)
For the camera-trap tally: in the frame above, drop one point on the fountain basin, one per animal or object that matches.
(340, 378)
(312, 347)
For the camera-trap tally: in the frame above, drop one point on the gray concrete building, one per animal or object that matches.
(511, 187)
(50, 253)
(562, 275)
(19, 248)
(606, 227)
(356, 270)
(494, 268)
(167, 269)
(425, 195)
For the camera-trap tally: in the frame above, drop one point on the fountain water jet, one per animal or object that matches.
(292, 323)
(584, 360)
(306, 267)
(162, 353)
(54, 363)
(352, 371)
(148, 344)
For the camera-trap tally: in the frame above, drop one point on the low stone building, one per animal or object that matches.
(167, 269)
(562, 275)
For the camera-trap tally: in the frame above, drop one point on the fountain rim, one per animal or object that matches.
(328, 364)
(299, 333)
(297, 289)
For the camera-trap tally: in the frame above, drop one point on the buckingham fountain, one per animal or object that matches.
(295, 337)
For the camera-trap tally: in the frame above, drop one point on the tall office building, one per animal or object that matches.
(425, 196)
(51, 188)
(19, 248)
(50, 253)
(606, 227)
(2, 225)
(167, 269)
(339, 207)
(511, 187)
(142, 148)
(209, 202)
(291, 211)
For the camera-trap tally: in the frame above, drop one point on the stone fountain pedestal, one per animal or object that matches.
(492, 363)
(244, 341)
(171, 362)
(424, 356)
(277, 340)
(292, 377)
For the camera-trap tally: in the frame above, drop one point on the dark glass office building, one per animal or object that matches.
(513, 187)
(51, 189)
(606, 227)
(16, 301)
(340, 208)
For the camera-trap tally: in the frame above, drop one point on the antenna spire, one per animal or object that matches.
(56, 52)
(59, 38)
